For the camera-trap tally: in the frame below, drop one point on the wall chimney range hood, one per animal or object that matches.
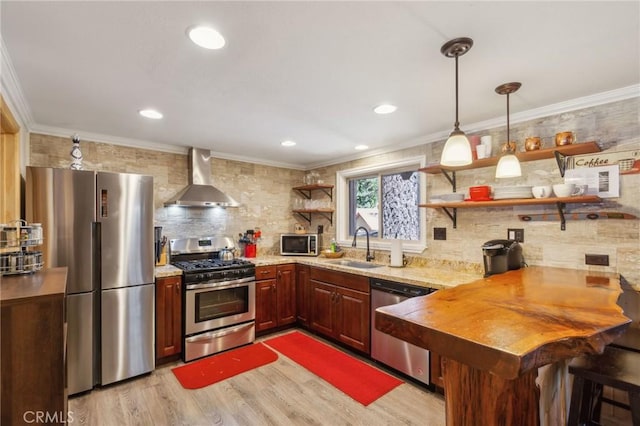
(200, 192)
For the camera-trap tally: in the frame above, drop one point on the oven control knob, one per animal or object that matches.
(199, 277)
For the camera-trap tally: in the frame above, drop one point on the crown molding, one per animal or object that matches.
(109, 139)
(602, 98)
(12, 90)
(154, 146)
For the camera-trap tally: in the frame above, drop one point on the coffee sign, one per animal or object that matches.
(628, 161)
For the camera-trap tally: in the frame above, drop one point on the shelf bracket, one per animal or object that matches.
(451, 178)
(306, 193)
(563, 223)
(561, 160)
(307, 216)
(453, 215)
(329, 192)
(328, 216)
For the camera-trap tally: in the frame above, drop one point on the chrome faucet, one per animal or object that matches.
(353, 244)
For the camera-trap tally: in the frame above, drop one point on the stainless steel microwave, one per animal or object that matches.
(299, 245)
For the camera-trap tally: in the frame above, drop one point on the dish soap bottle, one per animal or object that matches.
(334, 245)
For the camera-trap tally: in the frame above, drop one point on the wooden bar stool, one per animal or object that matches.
(616, 368)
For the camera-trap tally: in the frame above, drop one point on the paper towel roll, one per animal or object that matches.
(396, 253)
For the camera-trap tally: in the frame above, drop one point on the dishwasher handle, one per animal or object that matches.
(405, 290)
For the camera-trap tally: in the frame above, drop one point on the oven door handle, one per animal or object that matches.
(201, 338)
(220, 284)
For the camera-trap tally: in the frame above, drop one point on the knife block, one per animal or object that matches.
(163, 257)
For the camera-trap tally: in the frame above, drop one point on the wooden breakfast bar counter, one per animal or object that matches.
(493, 334)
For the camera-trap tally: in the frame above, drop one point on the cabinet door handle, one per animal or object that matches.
(273, 287)
(178, 288)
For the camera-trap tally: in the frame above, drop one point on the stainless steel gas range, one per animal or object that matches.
(219, 296)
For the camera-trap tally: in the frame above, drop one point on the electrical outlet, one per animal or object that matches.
(439, 233)
(320, 229)
(515, 234)
(596, 259)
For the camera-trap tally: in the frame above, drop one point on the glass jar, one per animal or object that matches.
(8, 236)
(36, 233)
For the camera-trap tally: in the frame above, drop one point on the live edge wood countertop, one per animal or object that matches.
(495, 332)
(513, 322)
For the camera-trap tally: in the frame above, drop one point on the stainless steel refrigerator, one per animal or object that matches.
(100, 226)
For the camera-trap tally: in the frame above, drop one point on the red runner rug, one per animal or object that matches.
(357, 379)
(219, 367)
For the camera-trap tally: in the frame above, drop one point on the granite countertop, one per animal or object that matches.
(167, 271)
(438, 278)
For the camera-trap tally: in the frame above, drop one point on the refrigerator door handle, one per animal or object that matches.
(97, 255)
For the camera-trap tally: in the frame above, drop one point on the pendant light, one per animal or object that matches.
(457, 150)
(508, 165)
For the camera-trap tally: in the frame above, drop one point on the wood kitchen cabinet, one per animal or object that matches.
(303, 295)
(9, 165)
(340, 304)
(33, 348)
(275, 296)
(168, 317)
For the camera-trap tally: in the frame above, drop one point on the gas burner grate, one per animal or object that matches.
(201, 265)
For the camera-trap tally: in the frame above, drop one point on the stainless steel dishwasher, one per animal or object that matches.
(400, 355)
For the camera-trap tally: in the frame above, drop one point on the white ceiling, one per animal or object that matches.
(306, 71)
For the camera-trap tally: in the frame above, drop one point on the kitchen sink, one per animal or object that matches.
(354, 264)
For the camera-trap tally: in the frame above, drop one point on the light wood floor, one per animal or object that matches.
(280, 393)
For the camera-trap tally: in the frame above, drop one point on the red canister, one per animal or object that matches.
(481, 192)
(250, 250)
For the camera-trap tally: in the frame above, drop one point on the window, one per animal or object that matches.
(384, 200)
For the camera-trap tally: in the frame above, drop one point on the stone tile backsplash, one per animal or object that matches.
(266, 196)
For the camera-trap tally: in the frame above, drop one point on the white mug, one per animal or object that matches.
(486, 141)
(542, 191)
(482, 151)
(567, 190)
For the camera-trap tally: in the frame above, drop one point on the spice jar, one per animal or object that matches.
(36, 233)
(8, 236)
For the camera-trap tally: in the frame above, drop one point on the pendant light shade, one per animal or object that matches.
(508, 165)
(457, 149)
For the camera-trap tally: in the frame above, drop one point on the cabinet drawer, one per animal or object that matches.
(265, 272)
(342, 279)
(176, 279)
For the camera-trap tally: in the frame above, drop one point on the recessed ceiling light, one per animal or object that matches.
(206, 37)
(385, 109)
(150, 113)
(287, 143)
(361, 147)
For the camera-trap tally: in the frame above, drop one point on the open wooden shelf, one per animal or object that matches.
(306, 190)
(451, 209)
(313, 211)
(541, 154)
(515, 202)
